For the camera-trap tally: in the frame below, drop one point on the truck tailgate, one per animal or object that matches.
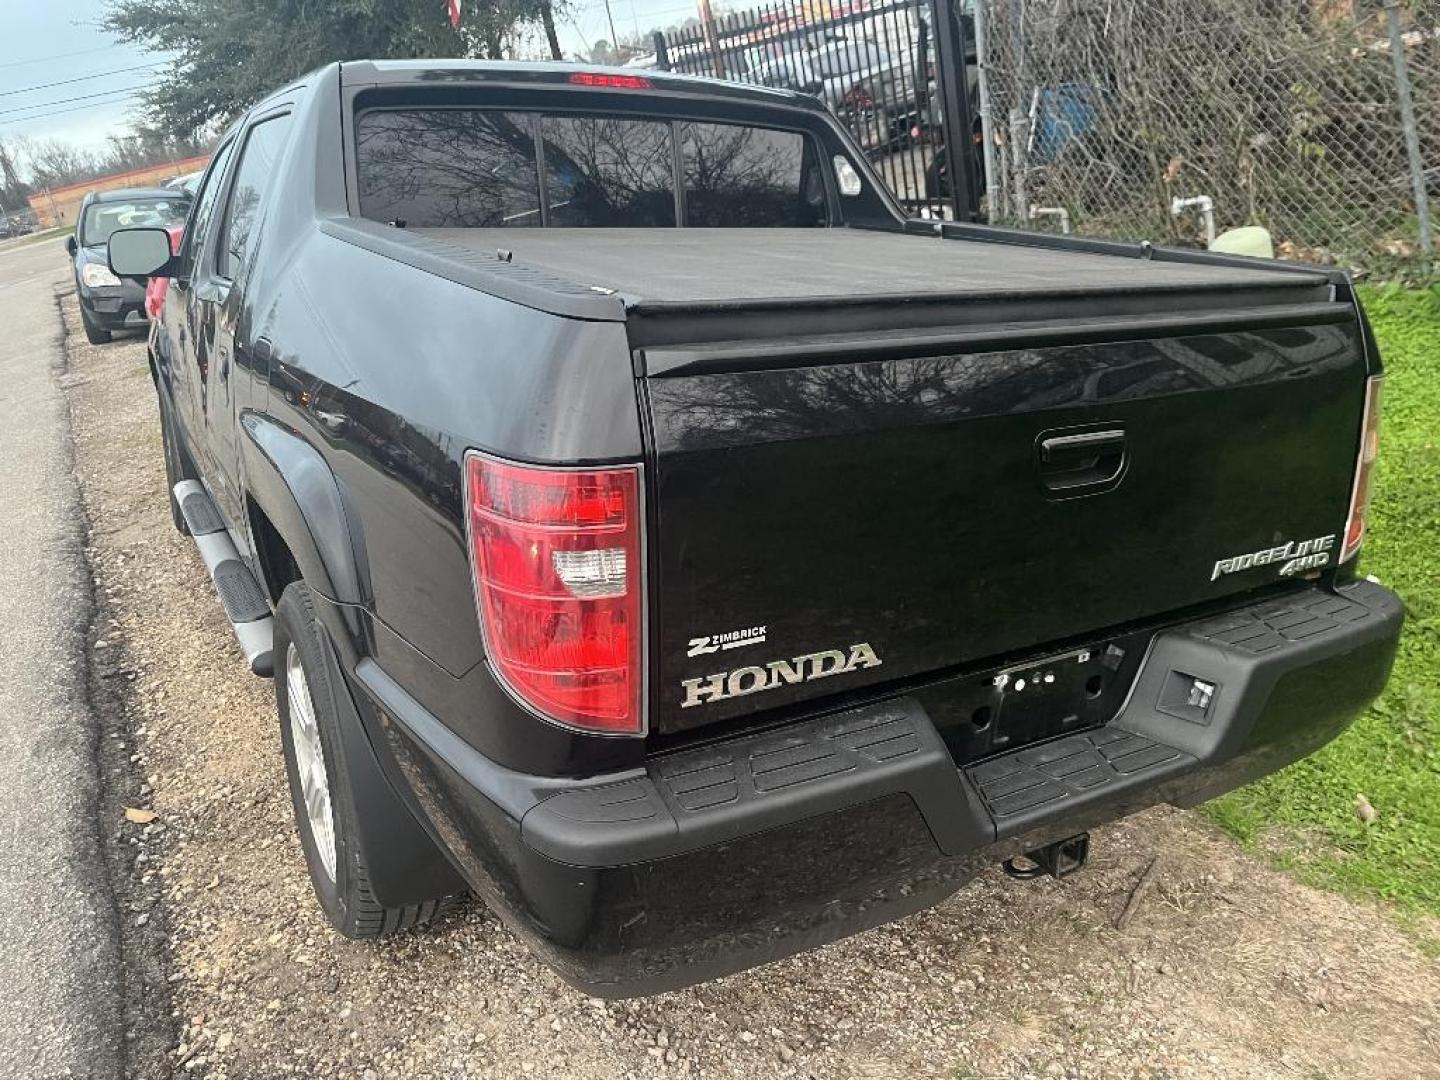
(946, 497)
(953, 451)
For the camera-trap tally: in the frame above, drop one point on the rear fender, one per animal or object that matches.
(290, 481)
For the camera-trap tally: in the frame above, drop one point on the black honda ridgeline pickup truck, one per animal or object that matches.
(650, 529)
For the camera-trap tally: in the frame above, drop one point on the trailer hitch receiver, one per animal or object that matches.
(1060, 859)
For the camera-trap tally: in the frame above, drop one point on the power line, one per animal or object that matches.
(79, 78)
(60, 56)
(71, 109)
(67, 101)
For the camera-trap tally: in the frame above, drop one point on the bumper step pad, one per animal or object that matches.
(1028, 783)
(1270, 626)
(243, 599)
(711, 795)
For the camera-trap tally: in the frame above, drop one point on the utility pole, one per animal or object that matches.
(614, 41)
(712, 39)
(547, 18)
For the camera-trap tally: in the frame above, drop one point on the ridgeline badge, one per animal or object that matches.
(1297, 556)
(752, 680)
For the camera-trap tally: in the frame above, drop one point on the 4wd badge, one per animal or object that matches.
(1296, 557)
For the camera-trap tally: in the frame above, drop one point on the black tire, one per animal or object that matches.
(345, 897)
(96, 335)
(177, 467)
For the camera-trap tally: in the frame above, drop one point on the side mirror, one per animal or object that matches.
(71, 246)
(139, 253)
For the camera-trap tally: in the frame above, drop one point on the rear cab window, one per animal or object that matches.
(488, 168)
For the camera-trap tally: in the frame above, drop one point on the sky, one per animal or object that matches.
(585, 23)
(47, 42)
(43, 42)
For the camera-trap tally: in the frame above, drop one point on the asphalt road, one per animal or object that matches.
(59, 962)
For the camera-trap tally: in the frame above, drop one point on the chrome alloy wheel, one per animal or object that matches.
(310, 760)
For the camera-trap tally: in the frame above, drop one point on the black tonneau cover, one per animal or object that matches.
(661, 268)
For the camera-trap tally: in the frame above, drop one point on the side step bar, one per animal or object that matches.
(243, 599)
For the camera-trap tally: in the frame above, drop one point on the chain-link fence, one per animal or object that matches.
(1163, 119)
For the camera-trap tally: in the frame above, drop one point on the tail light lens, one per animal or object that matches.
(1364, 471)
(556, 556)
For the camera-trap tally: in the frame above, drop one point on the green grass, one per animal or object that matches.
(1303, 817)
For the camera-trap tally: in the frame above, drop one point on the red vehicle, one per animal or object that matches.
(156, 286)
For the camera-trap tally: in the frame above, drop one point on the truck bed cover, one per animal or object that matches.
(705, 267)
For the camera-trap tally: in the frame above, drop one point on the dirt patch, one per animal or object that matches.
(1227, 969)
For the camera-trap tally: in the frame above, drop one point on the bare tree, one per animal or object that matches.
(53, 163)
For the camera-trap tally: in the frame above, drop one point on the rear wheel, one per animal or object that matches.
(320, 788)
(94, 333)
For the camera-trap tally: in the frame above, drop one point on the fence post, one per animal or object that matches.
(953, 84)
(1019, 154)
(1412, 139)
(987, 134)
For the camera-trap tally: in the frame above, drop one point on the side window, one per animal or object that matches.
(199, 223)
(252, 177)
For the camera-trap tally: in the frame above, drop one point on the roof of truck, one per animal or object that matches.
(709, 266)
(440, 73)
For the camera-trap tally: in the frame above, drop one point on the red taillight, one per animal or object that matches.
(610, 82)
(1364, 471)
(556, 556)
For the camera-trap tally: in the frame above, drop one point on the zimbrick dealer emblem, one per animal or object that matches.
(777, 673)
(733, 639)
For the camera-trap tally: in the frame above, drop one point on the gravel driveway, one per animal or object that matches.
(1227, 969)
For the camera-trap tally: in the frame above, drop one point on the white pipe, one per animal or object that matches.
(1058, 212)
(1203, 203)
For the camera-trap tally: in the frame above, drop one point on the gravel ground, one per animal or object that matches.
(1227, 970)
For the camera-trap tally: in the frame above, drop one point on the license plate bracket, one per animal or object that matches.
(1037, 699)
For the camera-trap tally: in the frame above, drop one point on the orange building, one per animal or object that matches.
(58, 206)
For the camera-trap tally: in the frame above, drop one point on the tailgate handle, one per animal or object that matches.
(1076, 463)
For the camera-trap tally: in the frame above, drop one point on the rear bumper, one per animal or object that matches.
(715, 859)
